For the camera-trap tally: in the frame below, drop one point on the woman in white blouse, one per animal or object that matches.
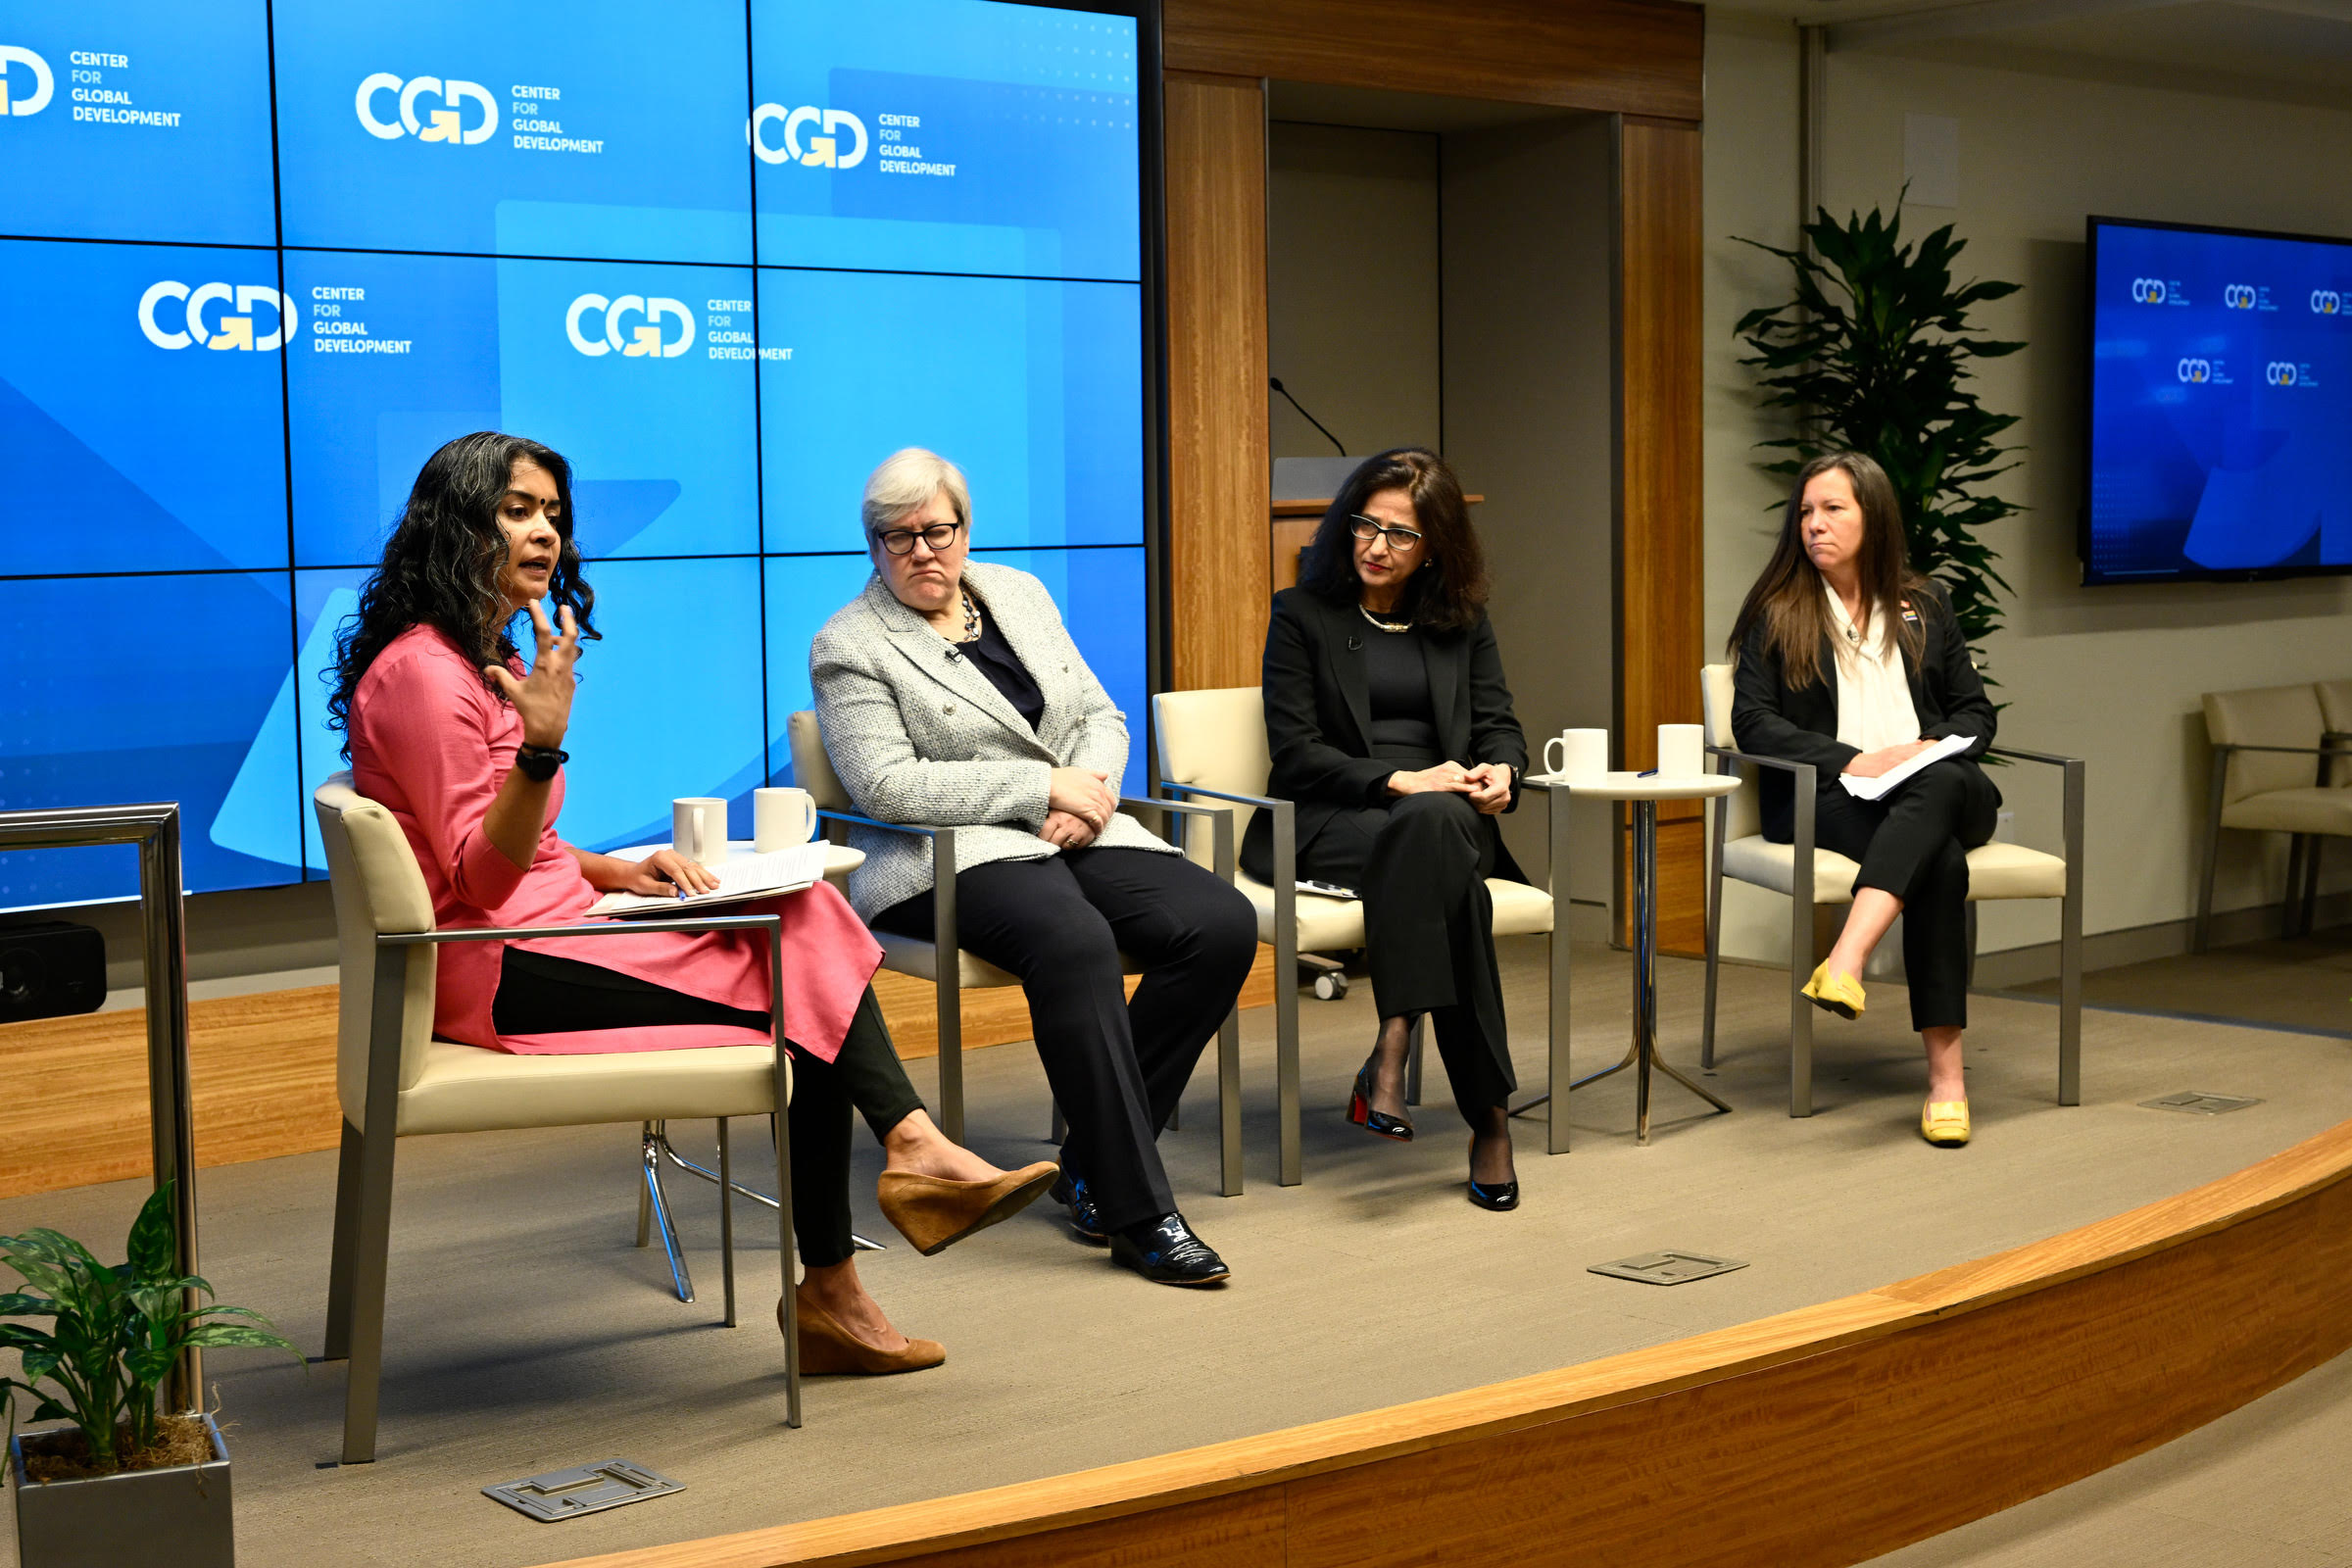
(1850, 660)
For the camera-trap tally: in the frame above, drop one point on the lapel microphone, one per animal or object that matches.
(1354, 644)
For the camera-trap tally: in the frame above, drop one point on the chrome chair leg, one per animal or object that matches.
(669, 1152)
(658, 1204)
(1412, 1058)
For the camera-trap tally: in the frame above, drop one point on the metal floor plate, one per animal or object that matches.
(2199, 1103)
(1667, 1268)
(586, 1488)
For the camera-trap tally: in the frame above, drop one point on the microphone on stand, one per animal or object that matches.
(1275, 381)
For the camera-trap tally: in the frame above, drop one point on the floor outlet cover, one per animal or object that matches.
(586, 1488)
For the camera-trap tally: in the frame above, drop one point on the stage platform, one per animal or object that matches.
(524, 1332)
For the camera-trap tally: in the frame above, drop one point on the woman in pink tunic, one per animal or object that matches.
(447, 729)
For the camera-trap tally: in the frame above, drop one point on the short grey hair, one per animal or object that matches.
(907, 481)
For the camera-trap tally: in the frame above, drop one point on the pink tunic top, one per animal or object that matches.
(431, 744)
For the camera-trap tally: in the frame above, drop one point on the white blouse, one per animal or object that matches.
(1874, 695)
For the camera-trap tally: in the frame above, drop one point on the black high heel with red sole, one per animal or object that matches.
(1379, 1123)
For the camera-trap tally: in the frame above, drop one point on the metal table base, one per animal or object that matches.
(1642, 1052)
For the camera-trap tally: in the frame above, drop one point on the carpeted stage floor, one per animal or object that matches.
(525, 1333)
(2300, 983)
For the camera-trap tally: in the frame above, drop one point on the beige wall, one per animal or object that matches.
(1351, 286)
(2111, 675)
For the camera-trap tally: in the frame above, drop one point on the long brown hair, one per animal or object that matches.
(1790, 600)
(1448, 592)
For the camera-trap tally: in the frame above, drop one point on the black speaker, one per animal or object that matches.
(50, 970)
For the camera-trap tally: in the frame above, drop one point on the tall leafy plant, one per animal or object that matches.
(116, 1331)
(1872, 354)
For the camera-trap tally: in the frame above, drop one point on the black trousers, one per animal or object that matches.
(1421, 863)
(1117, 1066)
(1913, 843)
(542, 995)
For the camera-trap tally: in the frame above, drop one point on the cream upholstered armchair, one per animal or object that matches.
(1213, 744)
(812, 769)
(395, 1080)
(1807, 876)
(2272, 748)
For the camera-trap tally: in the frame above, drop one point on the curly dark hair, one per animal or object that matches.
(441, 566)
(1449, 593)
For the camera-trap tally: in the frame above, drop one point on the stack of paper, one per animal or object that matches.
(741, 878)
(1872, 788)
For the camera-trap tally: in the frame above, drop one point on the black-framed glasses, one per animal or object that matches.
(901, 541)
(1364, 527)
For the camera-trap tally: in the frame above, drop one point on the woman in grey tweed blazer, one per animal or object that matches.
(949, 693)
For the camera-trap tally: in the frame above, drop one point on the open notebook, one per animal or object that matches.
(741, 878)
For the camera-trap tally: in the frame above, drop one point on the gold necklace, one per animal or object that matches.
(1383, 625)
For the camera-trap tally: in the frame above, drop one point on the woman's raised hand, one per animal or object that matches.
(1450, 777)
(1872, 765)
(543, 698)
(1083, 792)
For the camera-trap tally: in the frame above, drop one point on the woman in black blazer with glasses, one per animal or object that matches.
(1389, 725)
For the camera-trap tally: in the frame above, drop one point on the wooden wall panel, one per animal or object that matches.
(261, 1076)
(1219, 474)
(1661, 554)
(1816, 1439)
(1639, 57)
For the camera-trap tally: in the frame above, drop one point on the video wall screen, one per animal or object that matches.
(2220, 398)
(724, 256)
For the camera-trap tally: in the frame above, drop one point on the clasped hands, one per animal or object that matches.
(1079, 802)
(1877, 763)
(1488, 784)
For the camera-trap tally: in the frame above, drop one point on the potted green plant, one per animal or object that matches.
(125, 1483)
(1872, 355)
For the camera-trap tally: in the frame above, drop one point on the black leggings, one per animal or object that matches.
(1116, 1066)
(540, 994)
(1913, 843)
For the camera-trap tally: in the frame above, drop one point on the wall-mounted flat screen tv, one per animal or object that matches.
(2221, 404)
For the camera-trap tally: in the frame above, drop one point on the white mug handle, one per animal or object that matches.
(1550, 766)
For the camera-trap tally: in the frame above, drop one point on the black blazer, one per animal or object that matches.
(1319, 717)
(1800, 725)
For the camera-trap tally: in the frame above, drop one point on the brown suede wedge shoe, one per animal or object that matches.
(932, 1213)
(827, 1348)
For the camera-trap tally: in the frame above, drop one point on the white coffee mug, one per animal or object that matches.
(781, 818)
(1584, 754)
(1682, 751)
(698, 828)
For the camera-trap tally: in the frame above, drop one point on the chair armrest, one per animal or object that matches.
(2017, 753)
(2291, 750)
(869, 821)
(1220, 819)
(1781, 763)
(1266, 801)
(504, 933)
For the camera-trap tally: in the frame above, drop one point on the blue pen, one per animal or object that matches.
(1647, 772)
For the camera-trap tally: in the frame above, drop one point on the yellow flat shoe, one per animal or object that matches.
(1839, 993)
(1945, 1122)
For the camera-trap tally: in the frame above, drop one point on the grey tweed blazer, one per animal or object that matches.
(920, 735)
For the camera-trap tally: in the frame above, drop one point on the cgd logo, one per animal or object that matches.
(43, 84)
(645, 341)
(2279, 372)
(2327, 302)
(2148, 291)
(2238, 297)
(823, 150)
(2197, 372)
(448, 121)
(229, 331)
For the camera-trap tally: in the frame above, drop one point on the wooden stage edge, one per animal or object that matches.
(1823, 1436)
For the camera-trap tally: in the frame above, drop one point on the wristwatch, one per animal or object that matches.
(539, 763)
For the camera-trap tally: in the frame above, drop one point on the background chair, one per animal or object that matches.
(1213, 744)
(1807, 876)
(814, 771)
(2271, 761)
(395, 1081)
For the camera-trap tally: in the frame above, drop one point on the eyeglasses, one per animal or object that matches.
(901, 541)
(1364, 527)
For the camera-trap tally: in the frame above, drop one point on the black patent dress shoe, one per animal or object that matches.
(1501, 1197)
(1074, 1195)
(1165, 1252)
(1379, 1123)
